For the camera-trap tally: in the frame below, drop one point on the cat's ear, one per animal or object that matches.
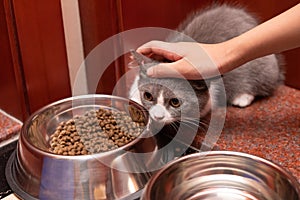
(142, 61)
(145, 67)
(143, 71)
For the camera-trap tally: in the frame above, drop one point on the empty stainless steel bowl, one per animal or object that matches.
(222, 175)
(35, 173)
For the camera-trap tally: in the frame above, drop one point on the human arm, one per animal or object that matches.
(197, 60)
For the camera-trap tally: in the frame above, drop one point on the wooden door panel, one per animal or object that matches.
(42, 48)
(99, 21)
(11, 98)
(165, 14)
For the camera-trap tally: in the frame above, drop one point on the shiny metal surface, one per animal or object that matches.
(36, 173)
(222, 175)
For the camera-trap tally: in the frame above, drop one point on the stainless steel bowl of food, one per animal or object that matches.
(85, 147)
(222, 175)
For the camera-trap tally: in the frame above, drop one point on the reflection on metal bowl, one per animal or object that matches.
(33, 172)
(222, 175)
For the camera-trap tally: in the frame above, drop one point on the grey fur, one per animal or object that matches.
(259, 77)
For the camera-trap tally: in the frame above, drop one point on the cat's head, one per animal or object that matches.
(172, 99)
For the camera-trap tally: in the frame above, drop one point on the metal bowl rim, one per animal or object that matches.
(79, 97)
(266, 162)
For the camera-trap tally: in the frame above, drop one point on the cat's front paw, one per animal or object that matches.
(243, 100)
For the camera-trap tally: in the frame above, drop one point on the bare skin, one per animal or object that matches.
(276, 35)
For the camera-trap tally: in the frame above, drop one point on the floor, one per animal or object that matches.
(9, 132)
(270, 128)
(9, 128)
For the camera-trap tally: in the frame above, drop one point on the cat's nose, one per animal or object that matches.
(157, 112)
(158, 117)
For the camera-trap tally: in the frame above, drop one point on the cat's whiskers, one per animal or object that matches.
(195, 124)
(174, 125)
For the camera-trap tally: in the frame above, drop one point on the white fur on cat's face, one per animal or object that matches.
(159, 113)
(156, 107)
(163, 106)
(169, 100)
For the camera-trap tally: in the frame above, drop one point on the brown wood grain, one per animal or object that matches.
(42, 48)
(12, 98)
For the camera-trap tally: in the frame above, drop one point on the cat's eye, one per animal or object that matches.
(174, 102)
(148, 96)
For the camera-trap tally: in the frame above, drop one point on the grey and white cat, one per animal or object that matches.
(168, 99)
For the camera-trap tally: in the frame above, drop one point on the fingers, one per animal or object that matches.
(188, 60)
(178, 69)
(162, 71)
(154, 44)
(159, 49)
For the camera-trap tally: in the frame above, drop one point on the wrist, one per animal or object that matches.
(224, 55)
(234, 53)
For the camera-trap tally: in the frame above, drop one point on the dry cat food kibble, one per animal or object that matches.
(96, 131)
